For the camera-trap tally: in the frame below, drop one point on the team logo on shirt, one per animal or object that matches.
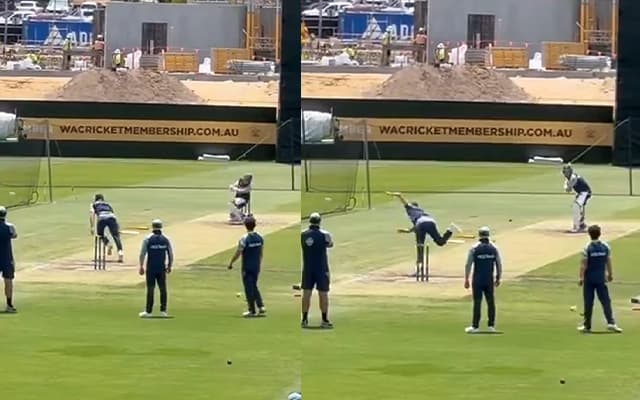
(309, 242)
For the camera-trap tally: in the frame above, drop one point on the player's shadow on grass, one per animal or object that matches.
(601, 333)
(316, 328)
(7, 313)
(159, 317)
(487, 333)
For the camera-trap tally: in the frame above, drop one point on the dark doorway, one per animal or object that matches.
(154, 37)
(481, 30)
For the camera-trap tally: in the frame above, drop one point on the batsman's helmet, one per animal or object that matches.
(567, 171)
(247, 178)
(156, 224)
(314, 218)
(484, 232)
(3, 212)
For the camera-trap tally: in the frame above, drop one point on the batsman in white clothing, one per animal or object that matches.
(240, 205)
(576, 183)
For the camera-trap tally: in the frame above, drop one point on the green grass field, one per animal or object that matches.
(86, 341)
(411, 347)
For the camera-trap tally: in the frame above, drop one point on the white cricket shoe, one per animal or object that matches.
(491, 329)
(262, 311)
(614, 328)
(120, 256)
(471, 329)
(453, 228)
(144, 314)
(584, 329)
(164, 314)
(326, 325)
(249, 314)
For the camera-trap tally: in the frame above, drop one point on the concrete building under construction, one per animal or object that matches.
(520, 22)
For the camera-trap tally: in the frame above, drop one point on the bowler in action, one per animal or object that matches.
(101, 216)
(423, 224)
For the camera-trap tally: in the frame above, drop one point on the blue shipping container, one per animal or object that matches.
(53, 32)
(371, 25)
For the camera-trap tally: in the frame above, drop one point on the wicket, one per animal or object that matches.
(422, 264)
(99, 253)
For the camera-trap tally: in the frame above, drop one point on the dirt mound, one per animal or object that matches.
(461, 83)
(131, 87)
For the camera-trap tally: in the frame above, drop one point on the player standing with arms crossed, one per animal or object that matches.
(576, 183)
(102, 211)
(315, 269)
(7, 263)
(156, 249)
(250, 248)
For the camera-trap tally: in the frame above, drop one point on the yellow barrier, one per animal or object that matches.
(552, 51)
(181, 62)
(510, 57)
(220, 57)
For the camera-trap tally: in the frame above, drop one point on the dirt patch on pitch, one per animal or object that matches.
(192, 241)
(523, 250)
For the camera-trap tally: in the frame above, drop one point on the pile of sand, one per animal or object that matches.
(131, 87)
(461, 83)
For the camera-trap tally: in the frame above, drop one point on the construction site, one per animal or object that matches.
(488, 60)
(507, 51)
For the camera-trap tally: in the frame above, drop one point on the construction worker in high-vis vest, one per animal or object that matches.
(117, 60)
(440, 55)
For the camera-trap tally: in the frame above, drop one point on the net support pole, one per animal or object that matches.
(293, 164)
(48, 150)
(630, 156)
(303, 142)
(366, 163)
